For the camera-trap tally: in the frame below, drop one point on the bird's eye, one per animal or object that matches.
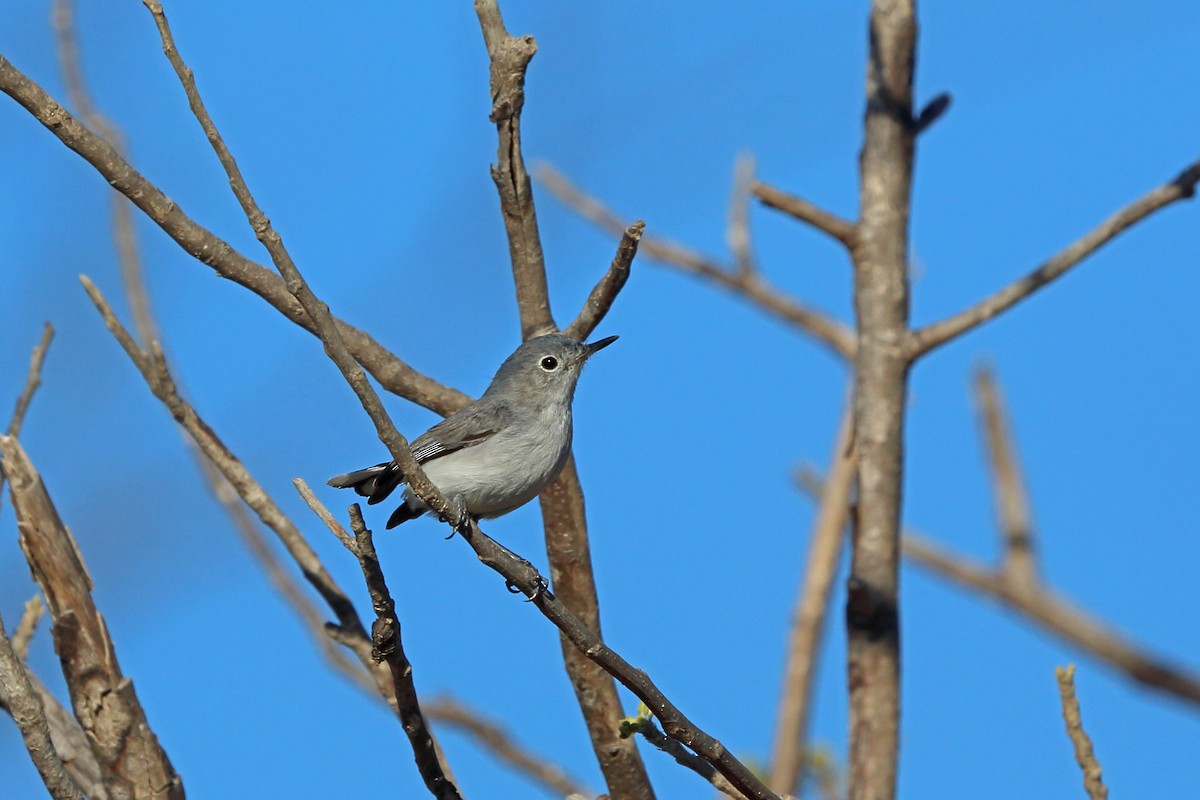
(549, 363)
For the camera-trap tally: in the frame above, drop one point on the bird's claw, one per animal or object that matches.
(540, 586)
(462, 522)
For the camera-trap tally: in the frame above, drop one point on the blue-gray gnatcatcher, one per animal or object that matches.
(496, 454)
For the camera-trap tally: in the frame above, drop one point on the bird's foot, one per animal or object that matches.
(540, 585)
(462, 521)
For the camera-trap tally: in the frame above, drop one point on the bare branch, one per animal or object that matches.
(104, 699)
(1059, 616)
(321, 511)
(752, 287)
(392, 373)
(509, 57)
(500, 743)
(737, 226)
(63, 18)
(596, 307)
(1012, 500)
(386, 645)
(644, 724)
(32, 381)
(881, 303)
(841, 229)
(1182, 187)
(18, 697)
(31, 615)
(1093, 781)
(789, 750)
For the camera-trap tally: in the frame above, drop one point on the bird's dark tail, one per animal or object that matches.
(401, 515)
(374, 483)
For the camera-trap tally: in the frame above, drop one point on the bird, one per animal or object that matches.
(497, 453)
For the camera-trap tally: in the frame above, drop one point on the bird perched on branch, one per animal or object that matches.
(496, 454)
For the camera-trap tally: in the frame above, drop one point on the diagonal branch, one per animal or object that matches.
(521, 574)
(104, 699)
(392, 373)
(596, 307)
(789, 750)
(1085, 755)
(750, 286)
(19, 699)
(500, 743)
(1182, 187)
(1059, 616)
(643, 723)
(841, 229)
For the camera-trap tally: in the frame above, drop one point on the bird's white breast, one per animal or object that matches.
(509, 469)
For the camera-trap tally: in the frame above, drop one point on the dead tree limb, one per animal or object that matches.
(134, 764)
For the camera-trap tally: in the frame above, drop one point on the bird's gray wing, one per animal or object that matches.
(467, 427)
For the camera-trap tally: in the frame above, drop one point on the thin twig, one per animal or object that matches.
(1011, 497)
(737, 222)
(843, 230)
(33, 380)
(789, 750)
(644, 724)
(750, 286)
(387, 646)
(1059, 616)
(500, 743)
(1085, 755)
(393, 374)
(31, 615)
(17, 695)
(103, 697)
(1182, 187)
(321, 511)
(605, 292)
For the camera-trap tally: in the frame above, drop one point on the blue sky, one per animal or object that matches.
(363, 131)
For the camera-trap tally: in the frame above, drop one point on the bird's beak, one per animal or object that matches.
(597, 346)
